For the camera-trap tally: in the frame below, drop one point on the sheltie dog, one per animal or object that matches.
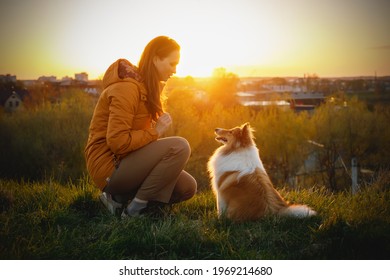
(243, 190)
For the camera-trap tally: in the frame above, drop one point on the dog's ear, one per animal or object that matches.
(247, 129)
(246, 126)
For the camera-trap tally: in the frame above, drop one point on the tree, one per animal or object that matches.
(281, 135)
(311, 81)
(346, 130)
(223, 88)
(181, 104)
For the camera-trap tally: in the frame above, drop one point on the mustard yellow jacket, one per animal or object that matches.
(120, 123)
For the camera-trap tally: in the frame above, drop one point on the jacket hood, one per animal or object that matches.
(121, 70)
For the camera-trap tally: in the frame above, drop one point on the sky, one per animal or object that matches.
(330, 38)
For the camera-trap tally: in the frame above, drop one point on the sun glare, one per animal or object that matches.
(248, 37)
(225, 44)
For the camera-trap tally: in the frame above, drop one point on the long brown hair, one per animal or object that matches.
(160, 46)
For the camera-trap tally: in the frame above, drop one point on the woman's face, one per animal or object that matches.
(166, 67)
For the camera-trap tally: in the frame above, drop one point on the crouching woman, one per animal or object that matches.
(126, 155)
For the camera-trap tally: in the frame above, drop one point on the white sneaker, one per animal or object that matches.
(114, 207)
(124, 214)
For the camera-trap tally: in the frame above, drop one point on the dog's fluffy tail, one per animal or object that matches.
(298, 211)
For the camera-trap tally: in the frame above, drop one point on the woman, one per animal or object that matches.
(126, 155)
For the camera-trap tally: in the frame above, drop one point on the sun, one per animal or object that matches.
(201, 52)
(193, 64)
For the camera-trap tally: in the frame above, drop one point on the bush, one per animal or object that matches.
(46, 142)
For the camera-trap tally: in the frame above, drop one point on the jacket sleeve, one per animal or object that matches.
(123, 101)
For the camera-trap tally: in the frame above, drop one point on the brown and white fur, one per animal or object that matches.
(243, 190)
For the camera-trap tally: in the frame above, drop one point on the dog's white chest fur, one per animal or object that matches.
(244, 161)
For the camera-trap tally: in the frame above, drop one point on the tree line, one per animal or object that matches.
(298, 149)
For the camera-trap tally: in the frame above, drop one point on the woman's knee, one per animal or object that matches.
(181, 145)
(185, 189)
(192, 187)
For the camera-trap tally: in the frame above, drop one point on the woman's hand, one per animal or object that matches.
(163, 123)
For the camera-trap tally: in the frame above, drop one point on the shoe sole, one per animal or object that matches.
(112, 206)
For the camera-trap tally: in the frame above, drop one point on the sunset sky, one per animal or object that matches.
(247, 37)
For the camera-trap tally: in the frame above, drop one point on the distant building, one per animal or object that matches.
(7, 78)
(13, 103)
(92, 91)
(306, 101)
(66, 81)
(66, 78)
(285, 88)
(50, 79)
(81, 77)
(93, 88)
(280, 92)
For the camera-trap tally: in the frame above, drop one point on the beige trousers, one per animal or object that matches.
(155, 173)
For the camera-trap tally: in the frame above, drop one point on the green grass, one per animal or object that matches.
(67, 221)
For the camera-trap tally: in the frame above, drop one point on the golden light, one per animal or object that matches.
(248, 37)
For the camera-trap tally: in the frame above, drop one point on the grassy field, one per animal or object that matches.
(44, 217)
(67, 221)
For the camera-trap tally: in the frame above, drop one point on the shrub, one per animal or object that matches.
(47, 141)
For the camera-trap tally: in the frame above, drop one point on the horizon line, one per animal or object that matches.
(100, 77)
